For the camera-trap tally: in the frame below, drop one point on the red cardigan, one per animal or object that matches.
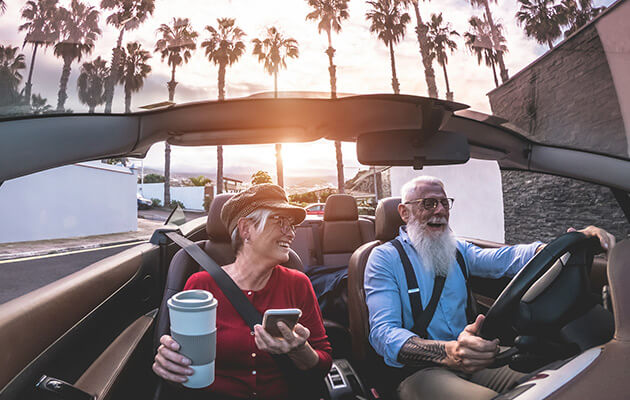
(243, 371)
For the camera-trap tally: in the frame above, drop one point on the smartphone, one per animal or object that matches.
(289, 316)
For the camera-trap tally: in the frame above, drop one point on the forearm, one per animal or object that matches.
(304, 357)
(418, 352)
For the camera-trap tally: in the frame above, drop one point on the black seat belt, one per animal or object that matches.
(422, 317)
(243, 306)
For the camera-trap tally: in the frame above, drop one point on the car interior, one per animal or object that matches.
(94, 333)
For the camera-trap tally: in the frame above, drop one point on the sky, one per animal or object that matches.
(363, 67)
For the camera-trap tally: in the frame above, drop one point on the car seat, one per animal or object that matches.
(218, 247)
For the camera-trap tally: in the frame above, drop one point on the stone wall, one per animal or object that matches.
(566, 97)
(539, 206)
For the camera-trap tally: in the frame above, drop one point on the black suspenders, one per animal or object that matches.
(422, 317)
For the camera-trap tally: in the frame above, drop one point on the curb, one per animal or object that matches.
(68, 249)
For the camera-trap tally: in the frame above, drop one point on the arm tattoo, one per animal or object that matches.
(417, 352)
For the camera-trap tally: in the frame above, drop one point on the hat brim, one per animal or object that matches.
(298, 214)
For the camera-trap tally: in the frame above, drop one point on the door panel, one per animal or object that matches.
(61, 329)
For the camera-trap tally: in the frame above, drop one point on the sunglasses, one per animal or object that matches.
(285, 223)
(431, 203)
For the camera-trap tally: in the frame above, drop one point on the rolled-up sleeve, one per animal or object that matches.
(384, 304)
(497, 263)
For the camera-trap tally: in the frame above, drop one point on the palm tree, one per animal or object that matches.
(79, 30)
(133, 71)
(11, 62)
(578, 13)
(273, 52)
(439, 38)
(176, 47)
(542, 20)
(39, 105)
(224, 48)
(42, 29)
(128, 15)
(479, 42)
(3, 7)
(495, 36)
(388, 23)
(425, 48)
(91, 83)
(330, 13)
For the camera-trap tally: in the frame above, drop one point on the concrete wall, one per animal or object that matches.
(567, 96)
(614, 33)
(191, 196)
(476, 188)
(71, 201)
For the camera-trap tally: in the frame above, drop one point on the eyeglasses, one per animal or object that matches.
(285, 223)
(432, 203)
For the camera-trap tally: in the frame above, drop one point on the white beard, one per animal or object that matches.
(437, 251)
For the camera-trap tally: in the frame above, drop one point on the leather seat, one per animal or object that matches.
(386, 228)
(218, 247)
(342, 231)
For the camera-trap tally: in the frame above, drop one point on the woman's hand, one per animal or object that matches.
(169, 364)
(293, 343)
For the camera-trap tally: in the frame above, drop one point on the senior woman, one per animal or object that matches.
(262, 226)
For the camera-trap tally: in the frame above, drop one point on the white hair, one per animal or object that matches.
(410, 186)
(259, 217)
(437, 252)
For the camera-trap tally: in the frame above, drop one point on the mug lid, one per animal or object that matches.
(192, 300)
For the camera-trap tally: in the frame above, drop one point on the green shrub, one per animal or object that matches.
(156, 202)
(175, 203)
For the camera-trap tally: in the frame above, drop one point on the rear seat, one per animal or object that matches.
(343, 231)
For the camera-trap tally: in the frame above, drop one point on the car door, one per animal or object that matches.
(92, 329)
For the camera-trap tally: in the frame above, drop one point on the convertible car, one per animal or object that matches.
(93, 334)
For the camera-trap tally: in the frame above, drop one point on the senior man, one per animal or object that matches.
(424, 268)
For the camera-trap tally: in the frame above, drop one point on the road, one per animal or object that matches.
(24, 275)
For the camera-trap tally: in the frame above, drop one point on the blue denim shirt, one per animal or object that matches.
(388, 301)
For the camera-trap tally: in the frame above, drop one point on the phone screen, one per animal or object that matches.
(271, 318)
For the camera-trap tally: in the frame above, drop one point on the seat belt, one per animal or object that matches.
(422, 317)
(243, 306)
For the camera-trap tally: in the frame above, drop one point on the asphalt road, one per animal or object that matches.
(21, 276)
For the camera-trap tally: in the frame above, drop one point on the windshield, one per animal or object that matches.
(110, 56)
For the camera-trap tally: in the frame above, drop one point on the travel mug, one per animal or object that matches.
(193, 316)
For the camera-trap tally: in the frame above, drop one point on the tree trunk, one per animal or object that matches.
(279, 168)
(167, 147)
(427, 60)
(63, 84)
(221, 86)
(219, 169)
(395, 84)
(29, 85)
(494, 73)
(495, 35)
(110, 83)
(550, 43)
(340, 177)
(127, 99)
(449, 94)
(167, 174)
(91, 109)
(275, 85)
(332, 69)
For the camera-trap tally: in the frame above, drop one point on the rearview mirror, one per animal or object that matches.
(412, 148)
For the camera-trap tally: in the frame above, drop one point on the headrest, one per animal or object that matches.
(619, 279)
(217, 232)
(387, 219)
(341, 207)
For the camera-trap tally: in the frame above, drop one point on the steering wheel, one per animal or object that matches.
(501, 315)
